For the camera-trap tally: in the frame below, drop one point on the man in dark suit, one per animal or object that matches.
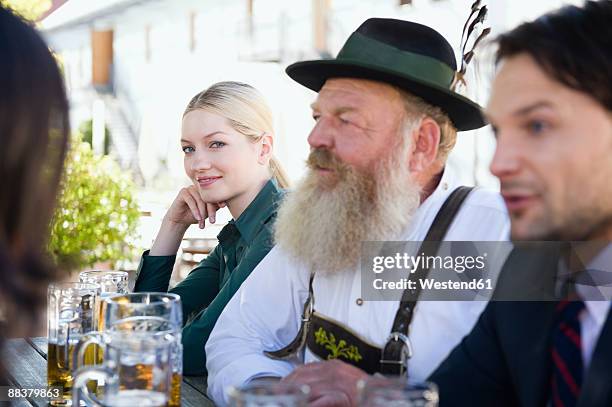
(551, 111)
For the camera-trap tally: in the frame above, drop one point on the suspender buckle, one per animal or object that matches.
(395, 355)
(400, 337)
(308, 310)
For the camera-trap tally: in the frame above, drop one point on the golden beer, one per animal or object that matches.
(59, 360)
(100, 311)
(101, 307)
(175, 390)
(140, 376)
(59, 367)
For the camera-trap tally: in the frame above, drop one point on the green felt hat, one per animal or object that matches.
(411, 56)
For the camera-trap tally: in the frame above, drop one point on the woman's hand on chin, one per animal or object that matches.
(188, 208)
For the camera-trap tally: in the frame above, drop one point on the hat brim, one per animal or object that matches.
(465, 114)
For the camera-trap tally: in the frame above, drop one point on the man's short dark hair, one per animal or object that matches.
(573, 45)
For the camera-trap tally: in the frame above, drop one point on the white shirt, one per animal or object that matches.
(594, 315)
(592, 321)
(266, 311)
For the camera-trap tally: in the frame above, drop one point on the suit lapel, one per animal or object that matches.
(597, 388)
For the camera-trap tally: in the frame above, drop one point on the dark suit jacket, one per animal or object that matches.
(505, 360)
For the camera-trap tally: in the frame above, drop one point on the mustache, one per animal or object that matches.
(323, 158)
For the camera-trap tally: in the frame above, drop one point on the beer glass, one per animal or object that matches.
(264, 393)
(111, 282)
(70, 312)
(380, 391)
(137, 367)
(162, 305)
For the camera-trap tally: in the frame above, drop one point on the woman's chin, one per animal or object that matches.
(213, 198)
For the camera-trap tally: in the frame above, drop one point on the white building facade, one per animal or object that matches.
(162, 52)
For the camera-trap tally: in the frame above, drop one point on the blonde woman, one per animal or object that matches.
(227, 139)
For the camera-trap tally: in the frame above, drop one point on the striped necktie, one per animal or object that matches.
(566, 353)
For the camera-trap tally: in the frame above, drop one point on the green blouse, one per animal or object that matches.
(207, 289)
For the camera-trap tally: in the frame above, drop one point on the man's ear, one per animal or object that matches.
(265, 153)
(426, 140)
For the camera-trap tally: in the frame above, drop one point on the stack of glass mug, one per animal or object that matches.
(130, 343)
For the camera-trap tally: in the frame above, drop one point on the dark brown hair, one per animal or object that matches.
(573, 45)
(34, 133)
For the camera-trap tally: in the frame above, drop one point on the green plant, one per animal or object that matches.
(97, 214)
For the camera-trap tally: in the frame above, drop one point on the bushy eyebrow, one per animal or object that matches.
(339, 110)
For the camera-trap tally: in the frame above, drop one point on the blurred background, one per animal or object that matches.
(131, 66)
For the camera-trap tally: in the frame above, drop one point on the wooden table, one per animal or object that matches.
(26, 363)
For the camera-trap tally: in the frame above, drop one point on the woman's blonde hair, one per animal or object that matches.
(246, 111)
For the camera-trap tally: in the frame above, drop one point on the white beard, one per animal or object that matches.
(323, 227)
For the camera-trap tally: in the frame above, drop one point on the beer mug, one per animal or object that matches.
(70, 312)
(137, 367)
(111, 282)
(264, 393)
(380, 391)
(161, 305)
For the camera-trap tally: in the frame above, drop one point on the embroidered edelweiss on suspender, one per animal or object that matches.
(350, 352)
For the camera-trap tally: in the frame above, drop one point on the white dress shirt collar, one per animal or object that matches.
(597, 308)
(596, 312)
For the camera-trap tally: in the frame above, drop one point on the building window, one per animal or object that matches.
(101, 57)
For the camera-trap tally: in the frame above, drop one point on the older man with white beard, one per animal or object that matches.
(386, 119)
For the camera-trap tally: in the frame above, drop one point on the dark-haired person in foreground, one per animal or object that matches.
(33, 141)
(551, 110)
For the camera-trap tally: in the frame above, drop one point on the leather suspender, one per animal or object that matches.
(398, 349)
(294, 347)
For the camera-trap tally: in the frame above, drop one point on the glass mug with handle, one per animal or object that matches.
(267, 393)
(71, 314)
(163, 305)
(379, 391)
(137, 366)
(111, 282)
